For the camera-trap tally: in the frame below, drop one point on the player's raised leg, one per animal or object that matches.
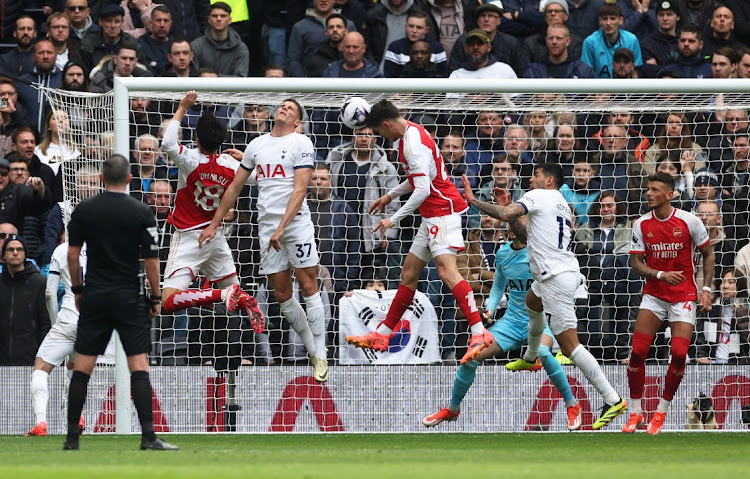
(448, 271)
(378, 340)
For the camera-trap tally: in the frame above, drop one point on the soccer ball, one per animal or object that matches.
(354, 112)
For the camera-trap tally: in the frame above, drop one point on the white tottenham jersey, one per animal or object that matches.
(274, 159)
(59, 266)
(548, 231)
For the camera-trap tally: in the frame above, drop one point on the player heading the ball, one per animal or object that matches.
(439, 236)
(282, 162)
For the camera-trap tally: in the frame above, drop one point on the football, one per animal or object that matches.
(354, 112)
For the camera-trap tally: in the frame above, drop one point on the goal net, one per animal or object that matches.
(213, 373)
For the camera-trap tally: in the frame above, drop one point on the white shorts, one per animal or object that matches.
(59, 341)
(683, 311)
(438, 235)
(558, 294)
(213, 259)
(298, 247)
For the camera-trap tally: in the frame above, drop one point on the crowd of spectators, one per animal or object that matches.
(82, 45)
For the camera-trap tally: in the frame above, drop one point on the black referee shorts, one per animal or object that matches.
(103, 312)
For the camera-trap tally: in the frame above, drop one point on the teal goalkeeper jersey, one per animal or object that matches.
(511, 270)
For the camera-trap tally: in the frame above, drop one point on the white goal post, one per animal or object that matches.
(449, 105)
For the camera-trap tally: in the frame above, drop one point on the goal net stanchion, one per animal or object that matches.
(482, 111)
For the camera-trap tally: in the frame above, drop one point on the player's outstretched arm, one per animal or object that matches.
(504, 210)
(708, 277)
(187, 101)
(227, 201)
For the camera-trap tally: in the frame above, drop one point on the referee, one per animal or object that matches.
(117, 230)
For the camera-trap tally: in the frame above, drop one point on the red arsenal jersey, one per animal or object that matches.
(420, 156)
(670, 245)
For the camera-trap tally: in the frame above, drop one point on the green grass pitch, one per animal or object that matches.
(385, 456)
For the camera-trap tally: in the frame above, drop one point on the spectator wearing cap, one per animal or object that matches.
(559, 63)
(660, 47)
(398, 53)
(309, 32)
(640, 17)
(584, 16)
(105, 41)
(599, 47)
(506, 48)
(480, 62)
(741, 10)
(623, 64)
(691, 63)
(18, 201)
(720, 32)
(24, 320)
(556, 12)
(386, 23)
(707, 187)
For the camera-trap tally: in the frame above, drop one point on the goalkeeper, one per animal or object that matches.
(510, 332)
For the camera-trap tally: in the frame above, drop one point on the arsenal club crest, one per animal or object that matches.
(677, 232)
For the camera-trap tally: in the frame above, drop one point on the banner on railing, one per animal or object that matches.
(414, 339)
(367, 399)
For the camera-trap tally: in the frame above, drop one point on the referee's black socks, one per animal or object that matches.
(79, 384)
(140, 388)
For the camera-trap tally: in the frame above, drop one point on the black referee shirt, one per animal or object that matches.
(117, 230)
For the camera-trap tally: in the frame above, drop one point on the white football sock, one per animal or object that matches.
(316, 318)
(39, 395)
(536, 329)
(476, 328)
(663, 405)
(635, 406)
(295, 316)
(384, 330)
(593, 372)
